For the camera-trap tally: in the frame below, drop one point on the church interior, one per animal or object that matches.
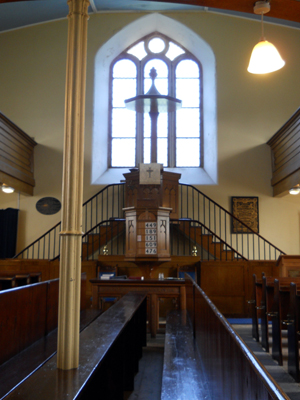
(149, 200)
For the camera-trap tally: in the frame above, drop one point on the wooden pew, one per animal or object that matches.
(23, 364)
(7, 282)
(253, 310)
(294, 332)
(235, 373)
(182, 371)
(110, 348)
(255, 305)
(21, 278)
(279, 314)
(266, 308)
(29, 313)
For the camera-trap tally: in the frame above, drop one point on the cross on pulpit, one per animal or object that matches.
(150, 174)
(149, 171)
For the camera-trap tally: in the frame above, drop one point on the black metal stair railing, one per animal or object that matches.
(109, 234)
(104, 205)
(202, 222)
(189, 236)
(196, 206)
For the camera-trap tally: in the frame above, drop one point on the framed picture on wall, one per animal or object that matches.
(246, 210)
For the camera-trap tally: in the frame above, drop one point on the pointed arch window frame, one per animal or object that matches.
(100, 172)
(171, 137)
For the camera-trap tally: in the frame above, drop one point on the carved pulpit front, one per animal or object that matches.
(151, 200)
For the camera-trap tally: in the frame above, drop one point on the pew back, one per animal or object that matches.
(294, 332)
(235, 372)
(28, 313)
(110, 348)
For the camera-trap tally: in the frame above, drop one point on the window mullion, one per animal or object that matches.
(172, 122)
(139, 120)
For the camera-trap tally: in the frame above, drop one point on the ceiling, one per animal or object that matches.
(19, 13)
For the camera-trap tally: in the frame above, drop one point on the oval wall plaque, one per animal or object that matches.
(48, 205)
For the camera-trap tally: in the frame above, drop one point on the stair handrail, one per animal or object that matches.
(37, 240)
(102, 223)
(211, 232)
(233, 217)
(90, 220)
(85, 204)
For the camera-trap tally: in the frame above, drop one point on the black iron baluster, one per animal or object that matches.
(49, 247)
(44, 249)
(54, 240)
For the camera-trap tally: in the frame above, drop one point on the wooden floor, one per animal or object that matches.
(147, 384)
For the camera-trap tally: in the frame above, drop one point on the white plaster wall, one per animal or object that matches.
(250, 109)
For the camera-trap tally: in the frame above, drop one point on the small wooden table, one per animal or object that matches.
(155, 289)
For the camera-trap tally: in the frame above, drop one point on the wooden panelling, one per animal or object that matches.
(285, 147)
(90, 269)
(229, 283)
(16, 157)
(50, 270)
(289, 266)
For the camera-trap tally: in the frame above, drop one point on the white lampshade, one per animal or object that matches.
(265, 58)
(7, 189)
(295, 190)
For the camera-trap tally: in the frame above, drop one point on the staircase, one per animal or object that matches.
(112, 231)
(202, 223)
(204, 240)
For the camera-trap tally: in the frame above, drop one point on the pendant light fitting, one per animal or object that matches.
(265, 57)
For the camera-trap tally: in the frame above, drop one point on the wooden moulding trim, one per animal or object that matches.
(17, 184)
(16, 173)
(6, 121)
(272, 142)
(287, 169)
(282, 187)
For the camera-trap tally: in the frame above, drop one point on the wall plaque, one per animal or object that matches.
(246, 210)
(48, 205)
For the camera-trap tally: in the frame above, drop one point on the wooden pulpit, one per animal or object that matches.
(149, 207)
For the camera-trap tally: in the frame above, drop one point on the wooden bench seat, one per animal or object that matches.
(19, 367)
(110, 348)
(182, 373)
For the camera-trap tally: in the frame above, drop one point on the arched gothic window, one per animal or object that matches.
(179, 134)
(206, 173)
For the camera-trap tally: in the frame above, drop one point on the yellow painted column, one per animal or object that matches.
(72, 190)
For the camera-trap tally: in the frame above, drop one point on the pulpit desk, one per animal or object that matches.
(155, 289)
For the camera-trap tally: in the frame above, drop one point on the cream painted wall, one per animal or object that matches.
(250, 110)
